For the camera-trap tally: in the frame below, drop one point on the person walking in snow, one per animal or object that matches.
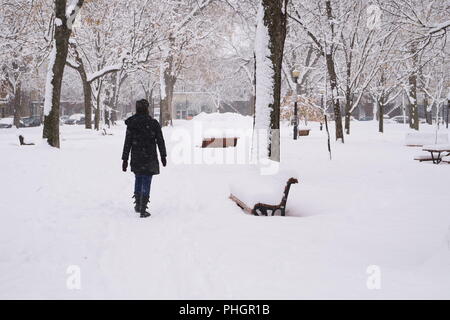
(143, 134)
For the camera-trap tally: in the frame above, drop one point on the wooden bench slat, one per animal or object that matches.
(241, 204)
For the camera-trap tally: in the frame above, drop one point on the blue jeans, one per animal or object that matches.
(142, 184)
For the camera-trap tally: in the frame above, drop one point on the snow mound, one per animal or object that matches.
(229, 117)
(222, 125)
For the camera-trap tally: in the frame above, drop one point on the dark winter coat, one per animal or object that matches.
(143, 134)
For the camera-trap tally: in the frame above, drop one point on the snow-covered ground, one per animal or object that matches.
(371, 205)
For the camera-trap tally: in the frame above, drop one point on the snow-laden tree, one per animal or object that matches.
(181, 24)
(384, 90)
(433, 84)
(20, 48)
(113, 39)
(323, 24)
(159, 46)
(423, 26)
(221, 65)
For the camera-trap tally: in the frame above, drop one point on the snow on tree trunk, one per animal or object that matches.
(269, 46)
(412, 97)
(55, 72)
(427, 106)
(412, 91)
(375, 108)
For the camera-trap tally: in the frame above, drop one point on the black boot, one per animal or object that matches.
(137, 202)
(143, 207)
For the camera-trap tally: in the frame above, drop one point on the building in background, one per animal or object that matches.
(3, 100)
(187, 105)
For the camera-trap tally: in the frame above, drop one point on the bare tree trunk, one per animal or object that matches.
(17, 104)
(334, 100)
(348, 106)
(87, 90)
(381, 114)
(97, 110)
(97, 119)
(382, 102)
(348, 97)
(348, 85)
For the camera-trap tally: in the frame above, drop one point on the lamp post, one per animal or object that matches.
(295, 75)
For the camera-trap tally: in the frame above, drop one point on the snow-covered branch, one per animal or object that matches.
(109, 69)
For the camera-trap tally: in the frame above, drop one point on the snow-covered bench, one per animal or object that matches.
(446, 159)
(419, 139)
(423, 157)
(304, 131)
(219, 142)
(263, 195)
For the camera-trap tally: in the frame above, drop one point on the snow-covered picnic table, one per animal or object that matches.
(436, 151)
